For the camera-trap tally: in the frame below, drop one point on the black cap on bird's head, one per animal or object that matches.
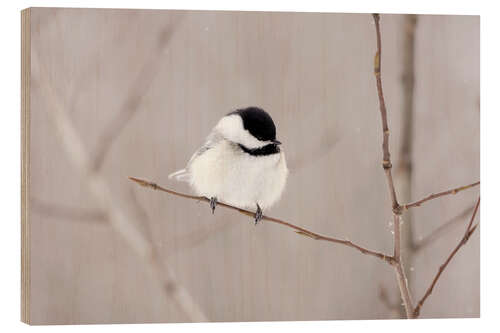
(258, 122)
(252, 129)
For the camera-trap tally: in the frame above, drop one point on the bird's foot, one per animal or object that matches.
(258, 214)
(213, 203)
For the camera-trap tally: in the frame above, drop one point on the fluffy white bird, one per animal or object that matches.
(240, 163)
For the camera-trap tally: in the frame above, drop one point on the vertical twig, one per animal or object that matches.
(387, 165)
(399, 268)
(386, 158)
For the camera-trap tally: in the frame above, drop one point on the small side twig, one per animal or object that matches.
(468, 232)
(440, 194)
(297, 229)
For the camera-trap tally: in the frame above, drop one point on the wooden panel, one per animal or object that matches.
(150, 84)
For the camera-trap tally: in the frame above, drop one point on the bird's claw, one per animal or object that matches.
(213, 203)
(258, 214)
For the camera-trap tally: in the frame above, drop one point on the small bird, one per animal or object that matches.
(241, 163)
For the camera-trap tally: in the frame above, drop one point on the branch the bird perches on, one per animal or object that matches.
(305, 232)
(297, 229)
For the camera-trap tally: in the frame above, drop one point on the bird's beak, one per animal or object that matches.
(276, 142)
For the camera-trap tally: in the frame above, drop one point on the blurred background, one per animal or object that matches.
(143, 88)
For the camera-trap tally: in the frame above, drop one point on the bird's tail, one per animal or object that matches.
(181, 175)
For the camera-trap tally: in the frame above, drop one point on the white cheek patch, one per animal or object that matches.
(249, 141)
(231, 127)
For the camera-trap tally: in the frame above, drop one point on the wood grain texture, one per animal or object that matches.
(314, 73)
(25, 162)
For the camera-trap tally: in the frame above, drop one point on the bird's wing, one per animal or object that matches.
(213, 138)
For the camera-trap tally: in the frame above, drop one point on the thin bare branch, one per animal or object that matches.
(387, 165)
(441, 230)
(468, 232)
(440, 194)
(297, 229)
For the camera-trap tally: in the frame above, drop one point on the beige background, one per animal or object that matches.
(168, 76)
